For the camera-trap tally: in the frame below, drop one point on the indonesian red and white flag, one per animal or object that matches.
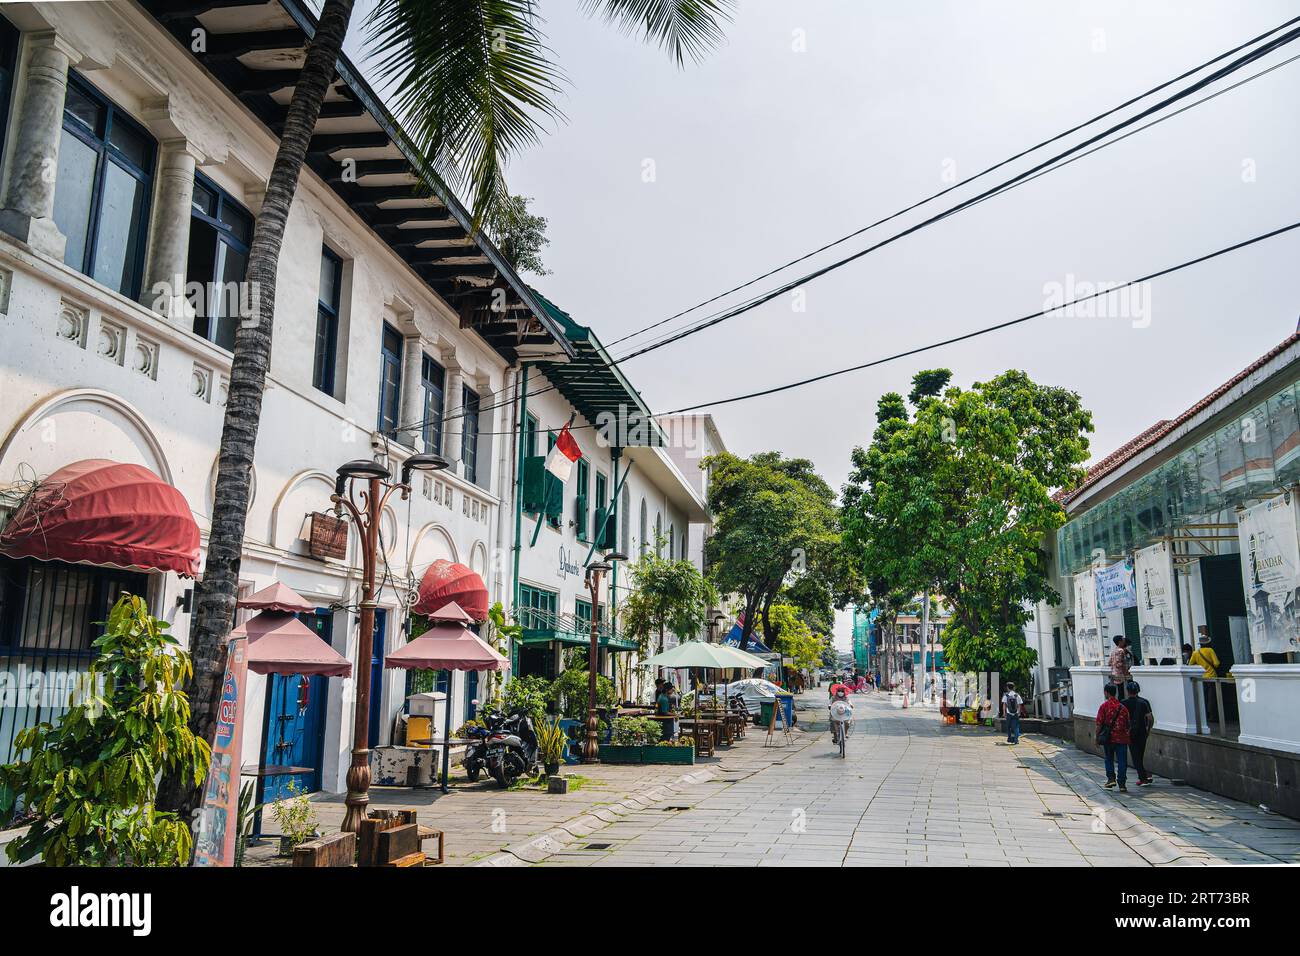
(561, 458)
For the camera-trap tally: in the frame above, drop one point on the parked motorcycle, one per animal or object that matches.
(476, 753)
(510, 748)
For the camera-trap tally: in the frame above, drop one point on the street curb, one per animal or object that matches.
(1148, 842)
(537, 848)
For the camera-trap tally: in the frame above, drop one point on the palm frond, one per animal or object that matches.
(682, 27)
(474, 83)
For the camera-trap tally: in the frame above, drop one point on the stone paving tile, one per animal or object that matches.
(914, 793)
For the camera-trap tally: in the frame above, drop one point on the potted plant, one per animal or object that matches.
(296, 817)
(551, 742)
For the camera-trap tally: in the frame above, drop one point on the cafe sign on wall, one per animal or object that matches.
(568, 563)
(328, 537)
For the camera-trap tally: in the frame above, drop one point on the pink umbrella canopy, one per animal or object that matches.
(448, 645)
(277, 597)
(279, 643)
(447, 582)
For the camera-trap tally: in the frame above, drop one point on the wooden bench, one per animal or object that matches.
(337, 849)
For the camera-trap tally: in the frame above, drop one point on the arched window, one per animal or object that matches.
(659, 535)
(672, 542)
(643, 543)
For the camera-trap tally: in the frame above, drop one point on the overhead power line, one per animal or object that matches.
(1169, 270)
(1237, 64)
(1057, 162)
(970, 179)
(991, 328)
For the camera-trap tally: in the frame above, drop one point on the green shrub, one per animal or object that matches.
(526, 695)
(89, 784)
(635, 732)
(569, 693)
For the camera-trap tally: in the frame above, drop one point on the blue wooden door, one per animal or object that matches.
(294, 734)
(377, 677)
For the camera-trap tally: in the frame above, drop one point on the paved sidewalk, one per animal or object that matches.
(914, 792)
(487, 825)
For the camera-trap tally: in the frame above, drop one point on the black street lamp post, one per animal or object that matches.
(366, 508)
(595, 571)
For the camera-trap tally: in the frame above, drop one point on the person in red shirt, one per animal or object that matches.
(1113, 735)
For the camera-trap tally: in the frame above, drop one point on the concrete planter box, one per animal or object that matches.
(612, 753)
(1172, 694)
(1267, 695)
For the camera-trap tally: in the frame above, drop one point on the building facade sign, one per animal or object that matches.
(1154, 571)
(568, 563)
(1270, 568)
(1115, 586)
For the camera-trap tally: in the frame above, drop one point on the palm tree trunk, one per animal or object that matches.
(218, 589)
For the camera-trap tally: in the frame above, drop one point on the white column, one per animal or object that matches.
(413, 394)
(27, 212)
(453, 401)
(169, 240)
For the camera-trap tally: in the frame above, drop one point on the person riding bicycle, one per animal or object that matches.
(841, 713)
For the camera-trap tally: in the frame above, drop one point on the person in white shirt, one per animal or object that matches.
(1011, 704)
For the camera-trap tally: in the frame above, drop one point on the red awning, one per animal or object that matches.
(106, 513)
(446, 582)
(279, 643)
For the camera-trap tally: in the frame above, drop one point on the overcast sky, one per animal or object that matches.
(816, 118)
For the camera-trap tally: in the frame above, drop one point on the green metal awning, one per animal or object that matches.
(532, 637)
(596, 386)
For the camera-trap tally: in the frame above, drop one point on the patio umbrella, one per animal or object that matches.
(277, 597)
(703, 654)
(279, 643)
(447, 646)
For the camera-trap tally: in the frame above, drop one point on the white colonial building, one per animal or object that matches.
(137, 142)
(625, 494)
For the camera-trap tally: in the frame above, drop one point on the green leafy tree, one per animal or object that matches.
(928, 384)
(666, 596)
(519, 234)
(775, 527)
(956, 501)
(88, 785)
(792, 637)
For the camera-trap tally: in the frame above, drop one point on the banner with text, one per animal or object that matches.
(1115, 587)
(219, 817)
(1087, 628)
(1157, 622)
(1270, 568)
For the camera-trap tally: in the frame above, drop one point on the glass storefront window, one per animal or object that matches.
(1254, 455)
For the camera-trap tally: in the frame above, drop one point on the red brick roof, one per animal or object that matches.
(1149, 437)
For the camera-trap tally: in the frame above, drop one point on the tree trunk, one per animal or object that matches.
(250, 362)
(746, 629)
(767, 621)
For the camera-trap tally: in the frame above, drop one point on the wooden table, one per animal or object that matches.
(716, 729)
